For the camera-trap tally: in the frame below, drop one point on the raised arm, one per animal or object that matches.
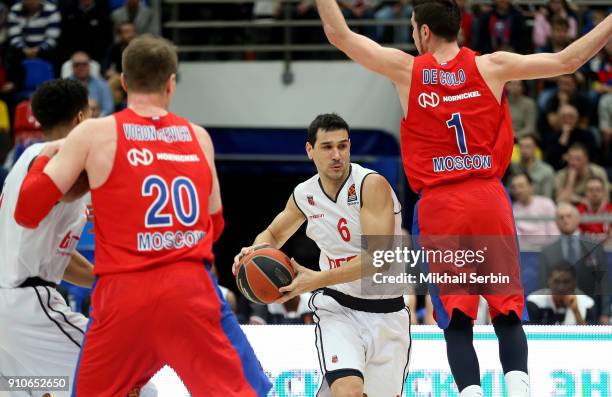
(286, 223)
(392, 63)
(506, 66)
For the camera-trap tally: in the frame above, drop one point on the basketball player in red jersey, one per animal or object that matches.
(156, 198)
(456, 139)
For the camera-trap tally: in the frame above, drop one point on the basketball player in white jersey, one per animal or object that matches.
(40, 335)
(363, 343)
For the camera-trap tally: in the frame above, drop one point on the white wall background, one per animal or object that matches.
(252, 94)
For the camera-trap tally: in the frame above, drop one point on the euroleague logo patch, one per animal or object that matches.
(352, 195)
(136, 157)
(432, 99)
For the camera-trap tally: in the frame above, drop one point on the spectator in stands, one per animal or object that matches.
(595, 202)
(561, 303)
(542, 174)
(586, 256)
(605, 125)
(567, 93)
(600, 69)
(126, 32)
(501, 29)
(86, 26)
(34, 29)
(559, 37)
(570, 182)
(136, 12)
(360, 9)
(527, 204)
(466, 37)
(94, 108)
(543, 22)
(294, 311)
(98, 88)
(523, 109)
(566, 134)
(400, 9)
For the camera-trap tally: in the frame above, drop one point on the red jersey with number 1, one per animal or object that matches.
(455, 128)
(153, 209)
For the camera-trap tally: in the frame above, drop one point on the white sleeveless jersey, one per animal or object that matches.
(42, 252)
(335, 224)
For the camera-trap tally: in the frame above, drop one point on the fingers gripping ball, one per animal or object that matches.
(261, 273)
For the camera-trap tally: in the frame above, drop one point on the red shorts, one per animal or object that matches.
(172, 315)
(472, 216)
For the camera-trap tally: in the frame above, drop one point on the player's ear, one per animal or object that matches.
(171, 84)
(309, 150)
(124, 83)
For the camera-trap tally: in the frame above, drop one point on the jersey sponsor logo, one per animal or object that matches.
(352, 195)
(158, 241)
(148, 133)
(178, 158)
(432, 99)
(460, 163)
(136, 157)
(316, 216)
(68, 243)
(310, 199)
(334, 263)
(461, 97)
(449, 79)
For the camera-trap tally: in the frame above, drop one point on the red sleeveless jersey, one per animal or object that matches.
(455, 128)
(153, 209)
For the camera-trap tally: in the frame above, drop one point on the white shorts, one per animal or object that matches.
(40, 336)
(375, 346)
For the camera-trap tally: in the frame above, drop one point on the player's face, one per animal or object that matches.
(331, 153)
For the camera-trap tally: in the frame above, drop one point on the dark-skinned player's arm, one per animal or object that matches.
(79, 271)
(53, 173)
(284, 225)
(392, 63)
(506, 66)
(215, 206)
(376, 218)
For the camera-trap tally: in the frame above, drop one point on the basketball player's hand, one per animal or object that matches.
(51, 148)
(244, 252)
(306, 280)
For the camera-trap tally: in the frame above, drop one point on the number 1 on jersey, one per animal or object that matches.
(455, 122)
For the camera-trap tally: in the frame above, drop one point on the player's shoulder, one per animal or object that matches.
(374, 184)
(307, 185)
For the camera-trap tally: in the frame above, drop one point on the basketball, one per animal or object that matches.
(262, 272)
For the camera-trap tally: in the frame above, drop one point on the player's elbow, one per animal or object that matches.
(335, 37)
(570, 64)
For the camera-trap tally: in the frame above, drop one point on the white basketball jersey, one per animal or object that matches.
(334, 223)
(42, 252)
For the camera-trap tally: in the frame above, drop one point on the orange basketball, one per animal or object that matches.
(261, 273)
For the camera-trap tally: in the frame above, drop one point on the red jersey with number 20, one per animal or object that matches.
(153, 209)
(455, 127)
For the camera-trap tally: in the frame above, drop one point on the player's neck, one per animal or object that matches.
(332, 186)
(55, 134)
(444, 51)
(148, 104)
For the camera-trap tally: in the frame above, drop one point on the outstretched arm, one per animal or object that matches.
(506, 66)
(392, 63)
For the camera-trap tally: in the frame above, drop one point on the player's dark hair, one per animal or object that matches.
(326, 122)
(442, 16)
(563, 266)
(526, 175)
(57, 102)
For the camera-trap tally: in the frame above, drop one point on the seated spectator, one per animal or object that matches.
(399, 9)
(86, 26)
(359, 9)
(527, 204)
(98, 88)
(523, 109)
(294, 311)
(605, 125)
(34, 29)
(561, 303)
(571, 181)
(94, 108)
(567, 93)
(501, 29)
(559, 37)
(466, 38)
(595, 203)
(542, 174)
(126, 32)
(600, 69)
(586, 256)
(136, 12)
(94, 69)
(542, 22)
(566, 134)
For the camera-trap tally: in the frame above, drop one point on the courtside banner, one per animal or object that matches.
(564, 361)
